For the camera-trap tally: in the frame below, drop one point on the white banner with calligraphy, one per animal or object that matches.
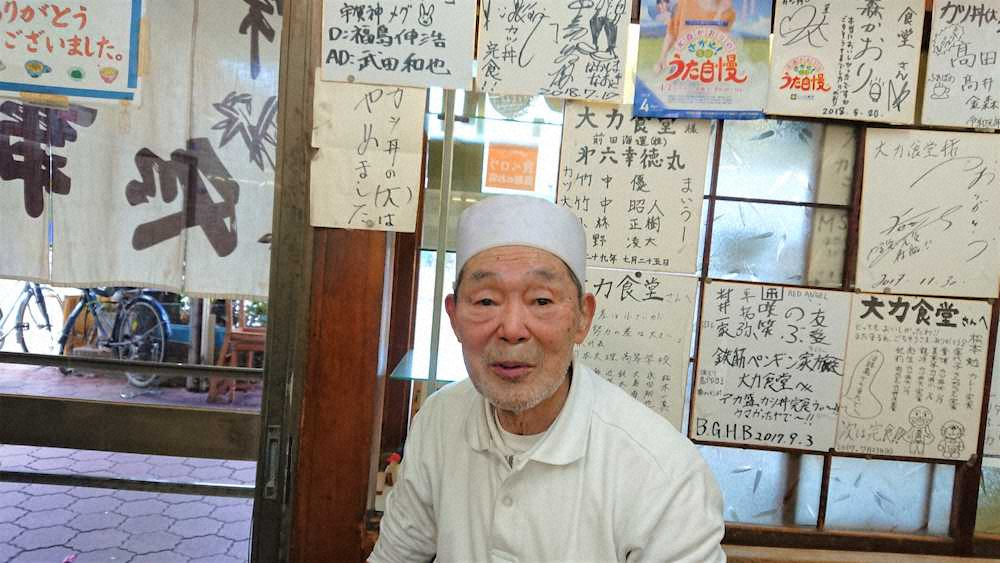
(637, 185)
(124, 219)
(86, 48)
(929, 213)
(962, 88)
(234, 134)
(561, 48)
(914, 376)
(24, 219)
(846, 59)
(400, 42)
(770, 365)
(366, 174)
(641, 335)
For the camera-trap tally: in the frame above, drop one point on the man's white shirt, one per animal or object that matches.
(609, 481)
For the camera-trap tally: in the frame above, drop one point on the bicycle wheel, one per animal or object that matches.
(141, 336)
(38, 331)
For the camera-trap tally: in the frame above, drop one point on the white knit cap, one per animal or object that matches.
(512, 220)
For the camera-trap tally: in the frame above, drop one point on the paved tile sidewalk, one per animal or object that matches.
(47, 524)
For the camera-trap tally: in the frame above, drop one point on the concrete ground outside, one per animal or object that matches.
(52, 524)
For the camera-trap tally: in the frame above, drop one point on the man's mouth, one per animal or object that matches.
(511, 371)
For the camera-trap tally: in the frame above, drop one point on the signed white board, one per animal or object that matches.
(770, 364)
(846, 59)
(929, 213)
(562, 48)
(914, 376)
(641, 335)
(962, 88)
(637, 185)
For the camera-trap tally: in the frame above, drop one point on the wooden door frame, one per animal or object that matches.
(324, 377)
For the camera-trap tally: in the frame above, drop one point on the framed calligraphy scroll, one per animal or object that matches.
(770, 365)
(963, 71)
(846, 59)
(366, 174)
(641, 335)
(636, 183)
(703, 59)
(85, 49)
(928, 213)
(561, 48)
(427, 43)
(915, 370)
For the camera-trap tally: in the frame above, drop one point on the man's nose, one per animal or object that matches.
(513, 328)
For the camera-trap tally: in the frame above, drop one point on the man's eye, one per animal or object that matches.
(486, 302)
(543, 301)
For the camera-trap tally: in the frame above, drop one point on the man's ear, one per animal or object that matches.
(587, 309)
(450, 304)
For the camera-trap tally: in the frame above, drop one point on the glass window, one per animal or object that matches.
(760, 242)
(787, 160)
(764, 487)
(889, 496)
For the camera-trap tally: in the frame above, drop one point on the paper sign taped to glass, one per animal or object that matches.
(703, 58)
(366, 174)
(427, 43)
(82, 49)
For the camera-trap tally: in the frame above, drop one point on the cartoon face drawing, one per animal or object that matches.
(952, 430)
(921, 417)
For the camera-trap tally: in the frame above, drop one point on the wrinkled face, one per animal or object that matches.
(952, 430)
(920, 416)
(518, 315)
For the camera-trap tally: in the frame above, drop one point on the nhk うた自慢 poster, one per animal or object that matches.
(703, 58)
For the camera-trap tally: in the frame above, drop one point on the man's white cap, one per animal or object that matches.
(509, 220)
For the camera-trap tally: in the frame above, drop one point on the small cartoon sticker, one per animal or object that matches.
(76, 73)
(36, 68)
(109, 74)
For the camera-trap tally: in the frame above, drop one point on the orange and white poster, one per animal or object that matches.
(511, 167)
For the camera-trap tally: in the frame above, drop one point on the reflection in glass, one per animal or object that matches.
(889, 496)
(759, 242)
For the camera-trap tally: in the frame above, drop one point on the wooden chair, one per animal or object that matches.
(239, 339)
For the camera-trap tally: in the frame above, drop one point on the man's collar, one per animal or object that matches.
(564, 442)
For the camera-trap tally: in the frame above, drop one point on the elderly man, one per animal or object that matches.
(536, 458)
